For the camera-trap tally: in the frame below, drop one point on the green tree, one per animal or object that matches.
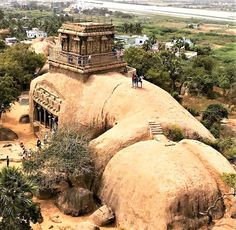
(179, 43)
(125, 27)
(200, 74)
(206, 62)
(215, 113)
(147, 45)
(141, 60)
(231, 95)
(119, 45)
(66, 159)
(9, 92)
(212, 117)
(20, 63)
(226, 76)
(2, 45)
(173, 66)
(18, 210)
(152, 38)
(1, 14)
(203, 50)
(138, 28)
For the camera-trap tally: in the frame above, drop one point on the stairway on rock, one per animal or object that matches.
(155, 128)
(157, 131)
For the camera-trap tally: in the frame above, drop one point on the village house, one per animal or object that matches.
(11, 41)
(35, 33)
(129, 41)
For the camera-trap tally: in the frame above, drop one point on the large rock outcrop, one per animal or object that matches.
(152, 185)
(149, 184)
(107, 105)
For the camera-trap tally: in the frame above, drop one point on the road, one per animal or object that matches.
(174, 11)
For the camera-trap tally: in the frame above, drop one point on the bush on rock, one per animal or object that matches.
(62, 166)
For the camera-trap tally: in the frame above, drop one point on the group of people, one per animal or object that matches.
(25, 152)
(45, 141)
(136, 80)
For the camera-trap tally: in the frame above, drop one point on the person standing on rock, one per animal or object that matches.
(134, 81)
(8, 161)
(139, 79)
(45, 139)
(38, 144)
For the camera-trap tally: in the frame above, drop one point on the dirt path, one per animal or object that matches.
(11, 120)
(25, 135)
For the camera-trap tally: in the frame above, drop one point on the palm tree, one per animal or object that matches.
(17, 208)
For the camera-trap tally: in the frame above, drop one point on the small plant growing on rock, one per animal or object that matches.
(174, 133)
(230, 180)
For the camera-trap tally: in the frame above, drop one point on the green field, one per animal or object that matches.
(226, 53)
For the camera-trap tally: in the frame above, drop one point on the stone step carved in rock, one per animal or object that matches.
(155, 128)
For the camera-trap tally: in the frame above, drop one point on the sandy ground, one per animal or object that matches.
(11, 120)
(25, 135)
(217, 28)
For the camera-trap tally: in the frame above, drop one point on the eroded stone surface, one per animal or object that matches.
(154, 186)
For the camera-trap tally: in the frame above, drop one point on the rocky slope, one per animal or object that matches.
(153, 185)
(150, 184)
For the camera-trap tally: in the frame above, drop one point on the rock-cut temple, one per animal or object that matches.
(84, 49)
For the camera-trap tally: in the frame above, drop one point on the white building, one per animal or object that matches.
(190, 54)
(169, 45)
(139, 41)
(36, 33)
(11, 41)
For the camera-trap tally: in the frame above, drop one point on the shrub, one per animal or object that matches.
(176, 96)
(230, 179)
(215, 131)
(193, 111)
(227, 147)
(174, 133)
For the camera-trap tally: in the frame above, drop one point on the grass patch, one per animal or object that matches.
(227, 53)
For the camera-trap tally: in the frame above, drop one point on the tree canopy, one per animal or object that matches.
(18, 210)
(9, 92)
(20, 63)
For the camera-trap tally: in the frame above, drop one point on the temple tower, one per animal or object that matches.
(86, 48)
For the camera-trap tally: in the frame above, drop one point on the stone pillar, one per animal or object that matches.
(54, 124)
(50, 121)
(45, 117)
(39, 114)
(86, 47)
(36, 112)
